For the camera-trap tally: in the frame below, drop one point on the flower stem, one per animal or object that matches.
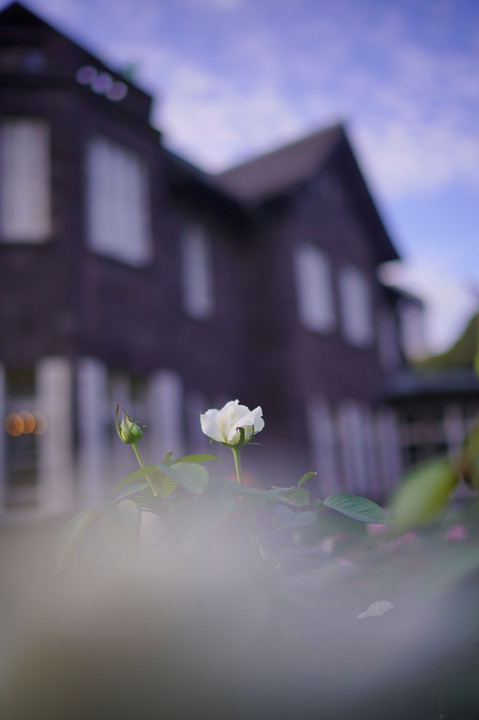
(239, 471)
(239, 477)
(136, 450)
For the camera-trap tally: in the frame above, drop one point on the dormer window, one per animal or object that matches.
(314, 288)
(356, 311)
(198, 290)
(118, 207)
(25, 194)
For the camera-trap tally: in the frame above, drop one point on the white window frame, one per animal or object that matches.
(118, 206)
(356, 306)
(25, 180)
(197, 263)
(314, 288)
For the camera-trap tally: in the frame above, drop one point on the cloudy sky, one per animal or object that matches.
(234, 78)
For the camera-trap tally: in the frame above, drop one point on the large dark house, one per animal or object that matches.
(129, 276)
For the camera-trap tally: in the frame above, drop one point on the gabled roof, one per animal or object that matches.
(399, 294)
(19, 25)
(281, 169)
(15, 13)
(189, 180)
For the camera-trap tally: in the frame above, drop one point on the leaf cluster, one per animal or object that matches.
(191, 504)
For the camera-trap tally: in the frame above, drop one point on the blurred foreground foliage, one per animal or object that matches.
(191, 595)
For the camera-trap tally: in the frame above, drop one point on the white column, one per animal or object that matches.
(323, 435)
(92, 389)
(389, 449)
(358, 447)
(3, 404)
(196, 404)
(166, 413)
(370, 452)
(346, 448)
(54, 378)
(122, 458)
(454, 428)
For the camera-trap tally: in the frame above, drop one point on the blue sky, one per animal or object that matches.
(234, 78)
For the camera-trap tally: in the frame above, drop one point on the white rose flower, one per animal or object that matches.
(223, 425)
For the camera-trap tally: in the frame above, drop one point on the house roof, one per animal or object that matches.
(64, 57)
(399, 294)
(194, 182)
(427, 383)
(279, 170)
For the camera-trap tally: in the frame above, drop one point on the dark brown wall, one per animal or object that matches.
(295, 363)
(61, 297)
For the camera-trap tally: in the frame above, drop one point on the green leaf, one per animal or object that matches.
(335, 523)
(71, 534)
(258, 494)
(133, 490)
(131, 517)
(470, 459)
(168, 487)
(305, 478)
(299, 496)
(294, 495)
(423, 493)
(287, 518)
(168, 457)
(196, 459)
(136, 476)
(219, 509)
(357, 508)
(189, 475)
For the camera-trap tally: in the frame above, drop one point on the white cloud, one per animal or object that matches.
(413, 106)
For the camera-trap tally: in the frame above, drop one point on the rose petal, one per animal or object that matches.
(210, 427)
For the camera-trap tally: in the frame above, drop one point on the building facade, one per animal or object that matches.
(129, 276)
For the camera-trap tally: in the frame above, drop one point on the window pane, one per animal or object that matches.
(355, 307)
(118, 207)
(314, 291)
(25, 195)
(197, 273)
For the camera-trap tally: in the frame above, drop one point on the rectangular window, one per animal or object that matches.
(356, 311)
(118, 206)
(25, 194)
(314, 288)
(197, 273)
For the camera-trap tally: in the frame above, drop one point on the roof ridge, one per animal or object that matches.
(303, 140)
